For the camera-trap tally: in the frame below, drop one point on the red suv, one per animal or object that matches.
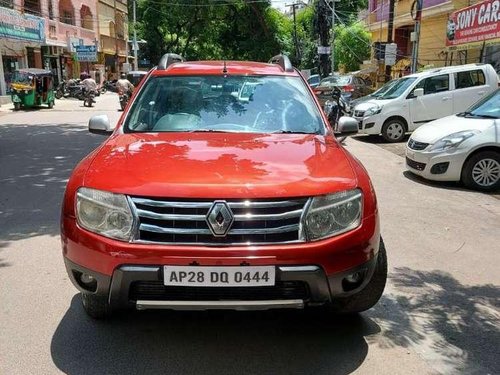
(222, 187)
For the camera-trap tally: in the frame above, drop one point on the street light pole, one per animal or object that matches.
(136, 66)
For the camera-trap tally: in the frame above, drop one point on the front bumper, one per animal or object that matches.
(437, 166)
(369, 124)
(296, 287)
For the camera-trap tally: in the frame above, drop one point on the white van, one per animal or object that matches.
(423, 97)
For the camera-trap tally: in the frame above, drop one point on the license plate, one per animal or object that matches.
(219, 276)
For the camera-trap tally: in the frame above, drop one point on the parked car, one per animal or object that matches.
(374, 94)
(200, 201)
(352, 87)
(314, 80)
(464, 147)
(423, 97)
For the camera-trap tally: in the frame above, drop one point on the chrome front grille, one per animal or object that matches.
(414, 145)
(184, 221)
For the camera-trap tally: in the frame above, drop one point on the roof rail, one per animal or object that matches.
(168, 59)
(283, 61)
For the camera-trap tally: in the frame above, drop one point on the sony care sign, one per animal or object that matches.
(476, 23)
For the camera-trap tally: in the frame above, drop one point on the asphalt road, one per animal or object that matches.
(440, 312)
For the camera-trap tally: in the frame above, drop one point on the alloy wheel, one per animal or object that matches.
(486, 172)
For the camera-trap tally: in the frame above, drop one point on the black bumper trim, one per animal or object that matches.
(322, 288)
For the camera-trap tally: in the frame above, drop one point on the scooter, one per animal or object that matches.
(89, 99)
(335, 109)
(124, 97)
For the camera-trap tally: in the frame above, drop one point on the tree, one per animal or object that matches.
(352, 45)
(198, 30)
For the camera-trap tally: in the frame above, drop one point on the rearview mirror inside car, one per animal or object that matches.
(346, 126)
(100, 125)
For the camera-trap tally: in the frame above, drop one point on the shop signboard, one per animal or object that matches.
(474, 25)
(15, 25)
(86, 53)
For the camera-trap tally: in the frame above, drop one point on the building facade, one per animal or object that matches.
(49, 33)
(113, 36)
(434, 47)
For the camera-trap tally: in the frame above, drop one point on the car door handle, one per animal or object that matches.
(446, 98)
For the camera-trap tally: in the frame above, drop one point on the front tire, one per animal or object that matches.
(17, 106)
(482, 171)
(367, 297)
(393, 131)
(97, 307)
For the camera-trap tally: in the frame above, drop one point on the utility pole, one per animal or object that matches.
(295, 39)
(134, 45)
(333, 37)
(390, 29)
(415, 36)
(321, 25)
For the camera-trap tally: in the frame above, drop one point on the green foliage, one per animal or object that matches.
(203, 30)
(352, 45)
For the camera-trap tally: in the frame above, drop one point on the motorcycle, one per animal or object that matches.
(335, 109)
(89, 98)
(124, 97)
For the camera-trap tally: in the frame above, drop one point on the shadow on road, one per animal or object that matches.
(454, 323)
(449, 185)
(36, 162)
(215, 342)
(378, 139)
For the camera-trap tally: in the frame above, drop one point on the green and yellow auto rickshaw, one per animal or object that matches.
(32, 87)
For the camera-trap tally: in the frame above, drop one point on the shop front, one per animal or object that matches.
(473, 33)
(20, 44)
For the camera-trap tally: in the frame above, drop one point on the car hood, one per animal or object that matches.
(363, 106)
(435, 130)
(220, 165)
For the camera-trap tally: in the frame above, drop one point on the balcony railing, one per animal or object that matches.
(112, 45)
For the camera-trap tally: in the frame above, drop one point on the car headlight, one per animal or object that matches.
(104, 213)
(332, 215)
(373, 111)
(453, 140)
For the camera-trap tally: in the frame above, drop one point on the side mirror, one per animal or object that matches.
(418, 92)
(100, 125)
(346, 126)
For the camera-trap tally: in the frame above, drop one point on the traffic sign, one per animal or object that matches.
(86, 53)
(324, 50)
(390, 53)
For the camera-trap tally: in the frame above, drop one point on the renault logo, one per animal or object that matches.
(220, 218)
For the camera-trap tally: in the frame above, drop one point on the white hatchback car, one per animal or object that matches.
(423, 97)
(464, 147)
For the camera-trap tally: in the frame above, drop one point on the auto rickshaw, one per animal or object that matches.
(32, 87)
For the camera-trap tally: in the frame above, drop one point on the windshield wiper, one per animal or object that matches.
(207, 131)
(292, 132)
(470, 114)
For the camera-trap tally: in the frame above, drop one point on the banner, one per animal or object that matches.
(15, 25)
(474, 24)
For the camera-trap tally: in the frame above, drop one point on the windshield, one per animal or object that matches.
(384, 88)
(21, 77)
(397, 89)
(263, 104)
(336, 81)
(488, 107)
